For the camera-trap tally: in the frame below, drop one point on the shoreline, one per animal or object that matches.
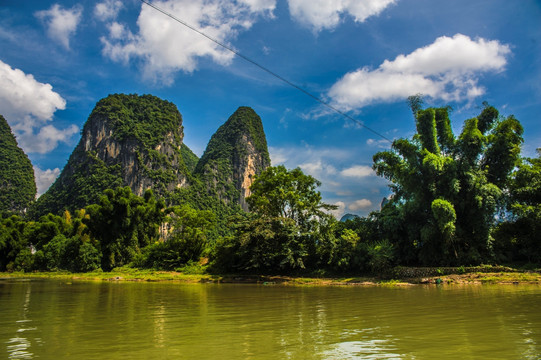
(122, 275)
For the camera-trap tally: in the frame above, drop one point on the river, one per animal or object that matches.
(121, 320)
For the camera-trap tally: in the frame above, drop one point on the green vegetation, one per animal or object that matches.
(82, 182)
(286, 228)
(147, 133)
(447, 189)
(17, 184)
(226, 143)
(145, 118)
(458, 202)
(121, 229)
(519, 238)
(190, 159)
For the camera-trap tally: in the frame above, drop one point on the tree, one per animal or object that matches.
(287, 226)
(291, 194)
(124, 223)
(447, 189)
(186, 241)
(519, 238)
(12, 242)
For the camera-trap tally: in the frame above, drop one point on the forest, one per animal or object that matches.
(457, 200)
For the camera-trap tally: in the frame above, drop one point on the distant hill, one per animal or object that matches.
(347, 217)
(17, 182)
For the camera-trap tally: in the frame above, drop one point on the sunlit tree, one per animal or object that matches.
(448, 188)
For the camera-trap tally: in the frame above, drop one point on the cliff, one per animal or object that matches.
(137, 141)
(234, 155)
(128, 140)
(17, 183)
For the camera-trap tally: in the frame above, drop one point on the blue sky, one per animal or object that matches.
(364, 57)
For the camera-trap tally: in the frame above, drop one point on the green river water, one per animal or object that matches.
(107, 320)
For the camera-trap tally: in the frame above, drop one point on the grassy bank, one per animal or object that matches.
(398, 277)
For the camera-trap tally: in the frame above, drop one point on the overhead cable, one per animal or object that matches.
(319, 100)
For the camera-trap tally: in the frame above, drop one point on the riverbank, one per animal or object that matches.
(398, 277)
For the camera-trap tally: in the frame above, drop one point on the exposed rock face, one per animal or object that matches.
(137, 141)
(136, 162)
(17, 183)
(128, 140)
(234, 155)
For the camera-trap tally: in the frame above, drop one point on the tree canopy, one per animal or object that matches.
(446, 189)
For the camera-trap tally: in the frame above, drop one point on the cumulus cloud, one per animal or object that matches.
(28, 105)
(46, 139)
(163, 46)
(44, 178)
(21, 93)
(339, 211)
(342, 184)
(447, 69)
(61, 23)
(381, 144)
(361, 204)
(358, 171)
(257, 6)
(325, 14)
(318, 168)
(107, 10)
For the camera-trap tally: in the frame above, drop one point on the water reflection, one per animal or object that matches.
(18, 347)
(53, 320)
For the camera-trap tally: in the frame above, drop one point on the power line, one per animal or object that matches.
(324, 103)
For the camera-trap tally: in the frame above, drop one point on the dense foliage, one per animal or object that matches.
(83, 184)
(457, 200)
(139, 126)
(225, 144)
(121, 229)
(285, 230)
(190, 159)
(447, 189)
(145, 118)
(519, 238)
(17, 184)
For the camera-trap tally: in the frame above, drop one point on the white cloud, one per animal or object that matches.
(107, 9)
(326, 14)
(318, 168)
(46, 139)
(381, 144)
(61, 23)
(261, 5)
(358, 171)
(360, 205)
(28, 105)
(116, 31)
(22, 94)
(164, 46)
(447, 69)
(44, 178)
(339, 211)
(341, 183)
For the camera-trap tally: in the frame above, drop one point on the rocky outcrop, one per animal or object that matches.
(140, 166)
(235, 154)
(128, 140)
(137, 141)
